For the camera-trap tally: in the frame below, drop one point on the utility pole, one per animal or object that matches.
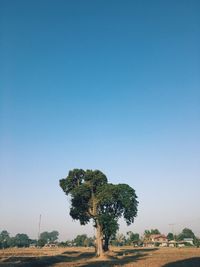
(172, 227)
(39, 226)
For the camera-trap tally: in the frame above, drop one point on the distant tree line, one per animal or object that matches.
(19, 240)
(131, 238)
(118, 239)
(23, 240)
(79, 241)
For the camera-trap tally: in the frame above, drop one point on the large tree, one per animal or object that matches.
(92, 197)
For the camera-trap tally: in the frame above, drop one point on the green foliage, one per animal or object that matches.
(186, 233)
(83, 241)
(73, 180)
(80, 240)
(11, 242)
(133, 238)
(21, 240)
(80, 204)
(197, 242)
(109, 228)
(92, 197)
(47, 237)
(41, 242)
(119, 240)
(118, 201)
(82, 187)
(4, 239)
(155, 232)
(147, 233)
(67, 243)
(170, 236)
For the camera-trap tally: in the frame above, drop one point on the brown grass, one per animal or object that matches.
(124, 256)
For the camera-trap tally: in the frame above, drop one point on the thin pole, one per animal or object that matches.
(172, 225)
(39, 226)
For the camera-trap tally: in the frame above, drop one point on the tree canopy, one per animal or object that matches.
(92, 197)
(170, 236)
(4, 239)
(83, 241)
(19, 240)
(151, 232)
(47, 237)
(133, 238)
(186, 233)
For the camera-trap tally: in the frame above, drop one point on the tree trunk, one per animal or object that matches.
(106, 242)
(99, 241)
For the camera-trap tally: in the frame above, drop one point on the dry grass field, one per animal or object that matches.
(124, 256)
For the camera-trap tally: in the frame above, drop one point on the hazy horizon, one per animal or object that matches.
(108, 85)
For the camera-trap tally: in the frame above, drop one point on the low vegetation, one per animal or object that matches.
(118, 239)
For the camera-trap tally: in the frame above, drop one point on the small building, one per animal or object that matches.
(189, 241)
(156, 240)
(50, 245)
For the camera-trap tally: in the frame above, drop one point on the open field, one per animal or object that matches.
(124, 256)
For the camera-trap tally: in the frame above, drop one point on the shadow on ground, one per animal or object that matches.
(44, 261)
(124, 256)
(192, 262)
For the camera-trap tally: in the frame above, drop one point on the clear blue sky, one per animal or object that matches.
(109, 85)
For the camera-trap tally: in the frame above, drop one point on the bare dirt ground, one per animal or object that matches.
(124, 256)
